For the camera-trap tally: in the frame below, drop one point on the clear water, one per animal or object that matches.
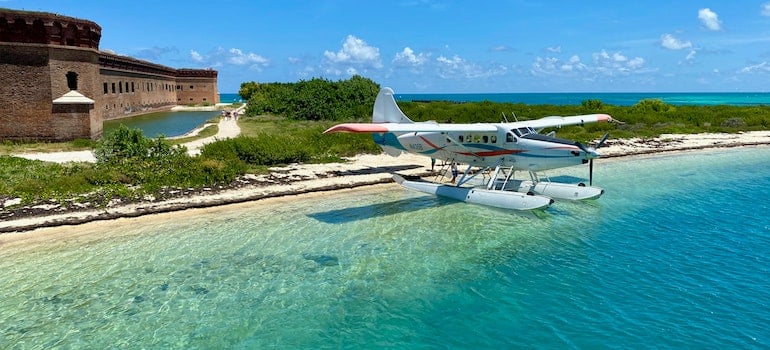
(676, 254)
(168, 124)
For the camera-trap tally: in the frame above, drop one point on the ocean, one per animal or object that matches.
(230, 98)
(674, 255)
(564, 98)
(617, 99)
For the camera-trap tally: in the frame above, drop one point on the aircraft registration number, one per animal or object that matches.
(416, 146)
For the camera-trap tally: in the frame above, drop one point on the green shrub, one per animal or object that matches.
(733, 123)
(121, 144)
(592, 105)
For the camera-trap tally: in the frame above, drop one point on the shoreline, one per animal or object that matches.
(359, 171)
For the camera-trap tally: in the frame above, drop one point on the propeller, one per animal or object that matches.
(591, 160)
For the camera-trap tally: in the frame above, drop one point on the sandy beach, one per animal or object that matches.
(302, 179)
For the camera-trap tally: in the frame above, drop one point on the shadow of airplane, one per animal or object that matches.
(351, 214)
(379, 170)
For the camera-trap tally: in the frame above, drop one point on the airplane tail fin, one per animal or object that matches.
(386, 110)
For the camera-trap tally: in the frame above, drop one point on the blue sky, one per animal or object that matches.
(437, 46)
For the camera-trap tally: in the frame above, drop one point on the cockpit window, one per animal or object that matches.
(524, 131)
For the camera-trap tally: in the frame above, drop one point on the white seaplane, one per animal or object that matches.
(497, 150)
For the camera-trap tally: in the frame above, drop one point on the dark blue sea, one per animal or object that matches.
(675, 255)
(618, 99)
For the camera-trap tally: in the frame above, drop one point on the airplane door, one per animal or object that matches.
(510, 138)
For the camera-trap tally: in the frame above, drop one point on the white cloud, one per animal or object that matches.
(355, 51)
(573, 64)
(237, 57)
(501, 48)
(452, 63)
(195, 56)
(635, 63)
(221, 57)
(690, 56)
(761, 68)
(766, 9)
(457, 67)
(556, 49)
(407, 58)
(603, 63)
(616, 63)
(668, 41)
(546, 65)
(709, 19)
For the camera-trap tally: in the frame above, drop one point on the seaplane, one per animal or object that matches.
(495, 151)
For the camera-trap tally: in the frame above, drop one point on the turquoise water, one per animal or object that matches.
(230, 98)
(169, 124)
(617, 98)
(676, 254)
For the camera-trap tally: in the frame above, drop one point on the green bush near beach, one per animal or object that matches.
(131, 166)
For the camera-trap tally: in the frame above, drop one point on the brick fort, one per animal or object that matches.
(56, 85)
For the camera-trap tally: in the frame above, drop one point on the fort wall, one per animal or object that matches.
(44, 56)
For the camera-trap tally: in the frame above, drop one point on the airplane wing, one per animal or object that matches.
(410, 127)
(541, 123)
(558, 122)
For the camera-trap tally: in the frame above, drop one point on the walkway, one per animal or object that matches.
(228, 128)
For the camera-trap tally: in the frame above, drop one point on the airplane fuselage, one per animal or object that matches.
(520, 148)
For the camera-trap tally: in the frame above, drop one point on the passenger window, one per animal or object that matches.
(461, 138)
(476, 139)
(485, 138)
(494, 138)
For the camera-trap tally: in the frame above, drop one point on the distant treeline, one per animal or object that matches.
(315, 99)
(647, 118)
(353, 99)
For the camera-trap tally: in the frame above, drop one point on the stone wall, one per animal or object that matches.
(25, 99)
(195, 86)
(48, 28)
(130, 87)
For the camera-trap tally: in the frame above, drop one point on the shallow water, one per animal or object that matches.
(674, 255)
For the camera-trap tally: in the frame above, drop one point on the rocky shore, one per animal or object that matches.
(296, 179)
